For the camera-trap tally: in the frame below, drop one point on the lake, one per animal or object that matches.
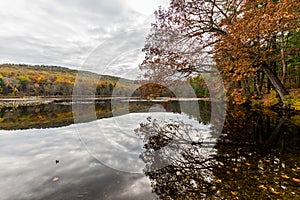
(132, 149)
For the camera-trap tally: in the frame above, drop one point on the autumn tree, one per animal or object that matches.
(253, 43)
(237, 37)
(181, 41)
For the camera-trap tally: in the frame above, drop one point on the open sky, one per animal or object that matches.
(104, 36)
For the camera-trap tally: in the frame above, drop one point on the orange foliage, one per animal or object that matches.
(242, 35)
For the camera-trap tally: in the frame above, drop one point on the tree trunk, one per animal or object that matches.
(275, 82)
(261, 82)
(283, 62)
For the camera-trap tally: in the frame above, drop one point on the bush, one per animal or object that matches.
(292, 101)
(273, 99)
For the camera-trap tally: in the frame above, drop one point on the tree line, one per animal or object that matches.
(40, 80)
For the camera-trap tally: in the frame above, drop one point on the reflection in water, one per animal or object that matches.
(189, 153)
(260, 155)
(28, 157)
(112, 141)
(60, 114)
(42, 116)
(257, 157)
(47, 116)
(28, 166)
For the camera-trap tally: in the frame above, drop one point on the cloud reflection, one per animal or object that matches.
(28, 159)
(28, 166)
(114, 143)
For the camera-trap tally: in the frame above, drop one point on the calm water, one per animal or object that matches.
(147, 150)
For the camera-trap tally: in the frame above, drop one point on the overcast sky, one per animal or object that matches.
(104, 36)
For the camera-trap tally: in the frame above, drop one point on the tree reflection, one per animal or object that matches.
(256, 157)
(260, 155)
(188, 174)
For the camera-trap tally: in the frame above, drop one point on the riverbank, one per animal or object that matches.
(271, 101)
(267, 102)
(14, 102)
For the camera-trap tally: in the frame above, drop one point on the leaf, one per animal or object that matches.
(262, 187)
(55, 179)
(272, 190)
(296, 170)
(233, 193)
(296, 180)
(219, 181)
(285, 176)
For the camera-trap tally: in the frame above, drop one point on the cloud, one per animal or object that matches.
(55, 32)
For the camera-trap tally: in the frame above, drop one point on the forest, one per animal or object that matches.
(21, 80)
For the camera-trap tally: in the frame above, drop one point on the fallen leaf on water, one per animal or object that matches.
(272, 190)
(219, 181)
(285, 176)
(55, 179)
(296, 180)
(262, 187)
(296, 170)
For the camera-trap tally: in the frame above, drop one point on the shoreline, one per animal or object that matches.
(14, 102)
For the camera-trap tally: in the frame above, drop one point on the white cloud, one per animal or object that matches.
(56, 32)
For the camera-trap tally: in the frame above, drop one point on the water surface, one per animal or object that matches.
(147, 151)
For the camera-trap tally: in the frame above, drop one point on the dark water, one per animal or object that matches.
(147, 150)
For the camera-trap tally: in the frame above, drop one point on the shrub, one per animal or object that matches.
(292, 101)
(272, 99)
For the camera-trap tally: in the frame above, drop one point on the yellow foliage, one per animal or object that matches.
(272, 99)
(292, 101)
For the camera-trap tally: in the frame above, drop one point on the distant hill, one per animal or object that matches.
(42, 80)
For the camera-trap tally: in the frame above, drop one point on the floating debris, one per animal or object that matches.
(262, 187)
(55, 179)
(296, 170)
(285, 176)
(272, 190)
(296, 180)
